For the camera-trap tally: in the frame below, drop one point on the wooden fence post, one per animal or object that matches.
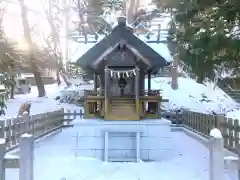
(74, 114)
(69, 116)
(26, 157)
(81, 113)
(216, 155)
(62, 115)
(2, 154)
(2, 129)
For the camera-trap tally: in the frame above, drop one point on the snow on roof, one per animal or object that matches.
(81, 50)
(162, 50)
(78, 49)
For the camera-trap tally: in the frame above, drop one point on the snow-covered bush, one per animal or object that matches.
(75, 93)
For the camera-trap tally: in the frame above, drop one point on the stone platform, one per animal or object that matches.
(147, 140)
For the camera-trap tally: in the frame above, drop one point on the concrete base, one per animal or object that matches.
(147, 140)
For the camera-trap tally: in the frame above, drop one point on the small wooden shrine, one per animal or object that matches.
(119, 63)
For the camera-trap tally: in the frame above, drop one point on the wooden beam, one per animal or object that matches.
(149, 41)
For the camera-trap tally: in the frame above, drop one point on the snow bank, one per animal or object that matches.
(235, 114)
(194, 96)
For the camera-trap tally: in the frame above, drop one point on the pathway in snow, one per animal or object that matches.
(55, 159)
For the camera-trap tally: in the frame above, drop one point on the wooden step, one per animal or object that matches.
(123, 113)
(122, 102)
(122, 105)
(122, 109)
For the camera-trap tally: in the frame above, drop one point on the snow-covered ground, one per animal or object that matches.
(189, 95)
(39, 105)
(188, 162)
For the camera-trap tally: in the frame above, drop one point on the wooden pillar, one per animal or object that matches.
(95, 82)
(137, 87)
(101, 82)
(106, 90)
(95, 79)
(149, 83)
(142, 83)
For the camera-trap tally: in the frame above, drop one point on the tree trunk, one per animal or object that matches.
(131, 9)
(39, 83)
(32, 59)
(65, 78)
(81, 18)
(12, 88)
(56, 44)
(58, 76)
(200, 77)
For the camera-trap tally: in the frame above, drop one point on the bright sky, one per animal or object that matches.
(12, 24)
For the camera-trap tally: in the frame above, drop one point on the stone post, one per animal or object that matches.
(216, 155)
(237, 159)
(106, 90)
(137, 80)
(26, 157)
(106, 146)
(2, 154)
(138, 149)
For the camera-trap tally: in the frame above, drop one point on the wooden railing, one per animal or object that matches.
(94, 103)
(93, 93)
(150, 93)
(11, 129)
(203, 123)
(142, 92)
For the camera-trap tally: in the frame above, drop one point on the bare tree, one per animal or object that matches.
(53, 42)
(8, 57)
(32, 58)
(131, 10)
(81, 8)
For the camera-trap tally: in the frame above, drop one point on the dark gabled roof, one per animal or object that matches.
(122, 32)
